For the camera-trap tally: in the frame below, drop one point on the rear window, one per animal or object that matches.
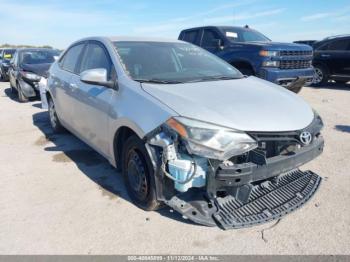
(190, 36)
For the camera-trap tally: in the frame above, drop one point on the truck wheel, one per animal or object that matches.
(246, 71)
(21, 97)
(54, 121)
(137, 172)
(320, 75)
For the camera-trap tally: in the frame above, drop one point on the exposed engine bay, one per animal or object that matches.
(240, 186)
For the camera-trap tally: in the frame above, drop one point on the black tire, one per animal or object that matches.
(13, 90)
(21, 97)
(321, 75)
(138, 174)
(54, 121)
(341, 81)
(246, 71)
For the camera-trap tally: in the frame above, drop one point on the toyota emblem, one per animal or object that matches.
(305, 138)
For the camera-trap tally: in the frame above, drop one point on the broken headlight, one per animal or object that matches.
(210, 140)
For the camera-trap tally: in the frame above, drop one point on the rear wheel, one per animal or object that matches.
(54, 121)
(138, 174)
(320, 75)
(21, 97)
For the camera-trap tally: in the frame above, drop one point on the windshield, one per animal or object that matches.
(172, 62)
(8, 54)
(245, 35)
(38, 57)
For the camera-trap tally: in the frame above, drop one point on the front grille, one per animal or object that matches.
(295, 64)
(274, 144)
(295, 53)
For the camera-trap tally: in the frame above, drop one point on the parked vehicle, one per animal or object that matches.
(187, 129)
(332, 60)
(253, 53)
(305, 42)
(27, 68)
(5, 57)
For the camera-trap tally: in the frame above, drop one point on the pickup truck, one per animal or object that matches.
(285, 64)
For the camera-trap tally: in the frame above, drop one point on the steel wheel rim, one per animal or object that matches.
(318, 76)
(136, 173)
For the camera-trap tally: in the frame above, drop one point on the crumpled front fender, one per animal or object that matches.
(27, 89)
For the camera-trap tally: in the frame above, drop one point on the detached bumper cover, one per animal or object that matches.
(268, 201)
(260, 192)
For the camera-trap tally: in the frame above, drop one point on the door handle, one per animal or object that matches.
(73, 86)
(324, 55)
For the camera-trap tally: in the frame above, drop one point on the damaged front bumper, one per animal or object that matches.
(238, 195)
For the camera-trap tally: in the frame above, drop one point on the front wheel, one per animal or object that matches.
(54, 121)
(138, 174)
(320, 75)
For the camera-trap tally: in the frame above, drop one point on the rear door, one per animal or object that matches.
(336, 55)
(93, 101)
(64, 89)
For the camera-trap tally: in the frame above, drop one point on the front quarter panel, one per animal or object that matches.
(132, 107)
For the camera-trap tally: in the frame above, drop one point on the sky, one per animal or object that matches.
(60, 22)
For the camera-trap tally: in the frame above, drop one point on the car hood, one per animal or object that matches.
(278, 46)
(248, 104)
(39, 69)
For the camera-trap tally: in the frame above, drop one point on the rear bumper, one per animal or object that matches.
(288, 78)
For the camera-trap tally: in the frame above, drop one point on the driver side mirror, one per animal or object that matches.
(218, 44)
(97, 76)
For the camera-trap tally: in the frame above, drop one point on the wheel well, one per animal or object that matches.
(243, 64)
(120, 137)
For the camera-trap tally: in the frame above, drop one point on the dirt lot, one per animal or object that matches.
(59, 197)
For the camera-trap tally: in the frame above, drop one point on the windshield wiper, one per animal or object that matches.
(215, 78)
(158, 81)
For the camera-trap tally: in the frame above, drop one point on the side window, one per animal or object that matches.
(339, 45)
(14, 59)
(208, 38)
(190, 36)
(70, 59)
(96, 57)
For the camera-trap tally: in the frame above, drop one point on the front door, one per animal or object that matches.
(92, 103)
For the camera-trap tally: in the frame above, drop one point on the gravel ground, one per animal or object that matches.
(59, 197)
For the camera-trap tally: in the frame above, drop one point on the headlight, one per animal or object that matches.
(30, 76)
(211, 141)
(271, 63)
(268, 53)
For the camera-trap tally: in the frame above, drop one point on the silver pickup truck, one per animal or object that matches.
(187, 129)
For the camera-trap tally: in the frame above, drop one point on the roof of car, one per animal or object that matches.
(141, 39)
(221, 27)
(129, 39)
(35, 49)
